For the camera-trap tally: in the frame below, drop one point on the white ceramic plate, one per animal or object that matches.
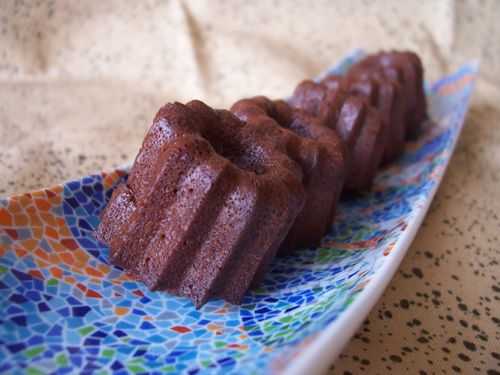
(65, 309)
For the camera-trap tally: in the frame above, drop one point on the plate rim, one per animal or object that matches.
(314, 358)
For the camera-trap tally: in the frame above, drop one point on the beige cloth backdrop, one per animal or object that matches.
(81, 80)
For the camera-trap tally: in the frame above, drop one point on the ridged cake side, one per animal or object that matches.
(206, 205)
(320, 154)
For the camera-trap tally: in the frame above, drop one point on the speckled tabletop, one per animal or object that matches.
(80, 82)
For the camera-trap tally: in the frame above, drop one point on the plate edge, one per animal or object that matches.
(314, 359)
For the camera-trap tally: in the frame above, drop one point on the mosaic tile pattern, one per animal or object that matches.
(65, 309)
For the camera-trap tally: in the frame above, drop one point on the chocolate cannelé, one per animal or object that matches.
(319, 152)
(207, 203)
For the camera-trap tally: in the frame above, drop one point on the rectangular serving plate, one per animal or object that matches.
(65, 309)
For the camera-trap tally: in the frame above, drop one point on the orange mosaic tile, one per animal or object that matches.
(48, 218)
(41, 254)
(93, 294)
(64, 231)
(5, 217)
(54, 258)
(20, 252)
(93, 272)
(180, 329)
(56, 272)
(30, 244)
(67, 258)
(35, 219)
(51, 232)
(82, 258)
(56, 245)
(42, 204)
(21, 220)
(121, 310)
(69, 243)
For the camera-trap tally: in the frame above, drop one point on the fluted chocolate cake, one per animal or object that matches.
(320, 154)
(207, 204)
(212, 194)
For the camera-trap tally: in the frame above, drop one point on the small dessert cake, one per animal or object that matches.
(207, 204)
